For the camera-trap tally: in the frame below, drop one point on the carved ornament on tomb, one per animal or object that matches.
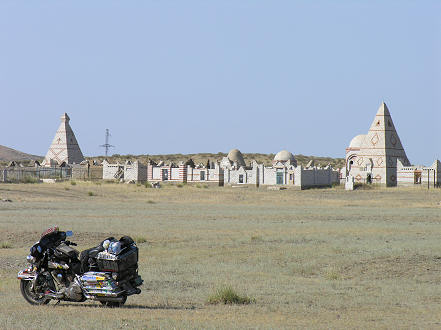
(393, 140)
(375, 139)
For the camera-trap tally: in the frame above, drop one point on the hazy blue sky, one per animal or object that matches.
(208, 76)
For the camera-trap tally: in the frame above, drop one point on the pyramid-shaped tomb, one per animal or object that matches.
(382, 141)
(64, 147)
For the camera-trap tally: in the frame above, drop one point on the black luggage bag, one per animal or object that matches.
(128, 258)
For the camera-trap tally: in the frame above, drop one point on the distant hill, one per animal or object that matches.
(204, 157)
(9, 154)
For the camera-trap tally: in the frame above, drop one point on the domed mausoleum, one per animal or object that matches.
(285, 157)
(284, 171)
(357, 141)
(233, 157)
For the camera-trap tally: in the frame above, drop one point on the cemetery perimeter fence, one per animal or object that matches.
(35, 174)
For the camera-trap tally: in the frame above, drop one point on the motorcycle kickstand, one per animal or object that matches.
(57, 303)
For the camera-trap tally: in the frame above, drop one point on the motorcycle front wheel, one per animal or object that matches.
(30, 296)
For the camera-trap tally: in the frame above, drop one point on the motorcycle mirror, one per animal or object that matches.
(69, 233)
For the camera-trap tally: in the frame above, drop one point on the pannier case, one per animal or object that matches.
(109, 262)
(99, 284)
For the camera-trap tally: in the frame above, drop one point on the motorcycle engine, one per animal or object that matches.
(73, 292)
(68, 287)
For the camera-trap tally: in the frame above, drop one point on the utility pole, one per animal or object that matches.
(106, 145)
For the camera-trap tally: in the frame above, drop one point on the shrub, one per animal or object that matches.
(140, 239)
(90, 193)
(73, 183)
(332, 274)
(198, 186)
(30, 179)
(66, 188)
(364, 186)
(5, 245)
(150, 202)
(148, 184)
(256, 238)
(179, 185)
(304, 270)
(227, 295)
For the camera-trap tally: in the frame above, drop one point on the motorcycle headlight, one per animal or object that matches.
(30, 259)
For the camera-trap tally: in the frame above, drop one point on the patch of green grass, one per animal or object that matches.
(228, 296)
(180, 185)
(73, 183)
(90, 193)
(5, 245)
(66, 188)
(150, 202)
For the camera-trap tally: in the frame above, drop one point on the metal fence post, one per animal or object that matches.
(428, 179)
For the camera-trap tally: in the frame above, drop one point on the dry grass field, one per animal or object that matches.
(309, 259)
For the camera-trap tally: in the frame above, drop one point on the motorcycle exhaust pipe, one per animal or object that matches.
(113, 299)
(55, 295)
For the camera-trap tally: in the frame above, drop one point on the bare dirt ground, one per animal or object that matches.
(311, 259)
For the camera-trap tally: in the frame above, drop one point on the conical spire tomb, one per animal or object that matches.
(378, 151)
(383, 110)
(65, 118)
(64, 147)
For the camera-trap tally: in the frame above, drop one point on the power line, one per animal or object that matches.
(106, 145)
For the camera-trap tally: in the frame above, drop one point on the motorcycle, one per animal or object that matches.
(107, 273)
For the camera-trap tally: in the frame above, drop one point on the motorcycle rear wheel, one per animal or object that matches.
(30, 296)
